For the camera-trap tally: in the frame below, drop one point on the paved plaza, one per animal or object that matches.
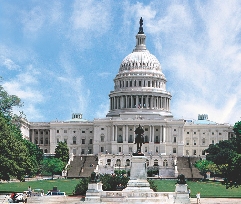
(76, 200)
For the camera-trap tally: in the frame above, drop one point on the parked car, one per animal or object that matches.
(16, 198)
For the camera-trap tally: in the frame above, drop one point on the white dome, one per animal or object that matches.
(140, 60)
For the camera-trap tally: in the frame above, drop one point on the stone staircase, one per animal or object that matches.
(185, 166)
(89, 166)
(82, 166)
(75, 167)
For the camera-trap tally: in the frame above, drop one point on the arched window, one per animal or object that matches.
(118, 162)
(165, 163)
(74, 140)
(174, 150)
(128, 162)
(109, 162)
(45, 151)
(147, 162)
(155, 162)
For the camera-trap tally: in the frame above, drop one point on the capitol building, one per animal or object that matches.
(140, 97)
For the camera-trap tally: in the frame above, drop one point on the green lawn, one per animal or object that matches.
(207, 188)
(65, 185)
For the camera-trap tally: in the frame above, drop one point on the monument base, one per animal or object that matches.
(182, 195)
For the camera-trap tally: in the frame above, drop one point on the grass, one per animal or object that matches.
(65, 185)
(208, 189)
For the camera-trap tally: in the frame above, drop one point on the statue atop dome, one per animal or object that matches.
(141, 28)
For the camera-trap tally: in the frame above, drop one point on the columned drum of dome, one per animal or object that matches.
(140, 85)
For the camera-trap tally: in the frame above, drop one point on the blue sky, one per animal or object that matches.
(61, 57)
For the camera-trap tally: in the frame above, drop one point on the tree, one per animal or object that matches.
(112, 181)
(82, 186)
(36, 156)
(62, 152)
(14, 154)
(205, 166)
(227, 157)
(52, 165)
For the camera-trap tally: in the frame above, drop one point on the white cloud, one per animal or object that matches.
(8, 63)
(89, 19)
(103, 109)
(33, 20)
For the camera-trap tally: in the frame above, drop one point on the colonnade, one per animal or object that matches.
(139, 83)
(139, 101)
(40, 137)
(125, 133)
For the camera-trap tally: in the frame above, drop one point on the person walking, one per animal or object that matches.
(24, 197)
(189, 192)
(29, 191)
(198, 197)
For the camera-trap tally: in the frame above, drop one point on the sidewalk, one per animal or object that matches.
(217, 200)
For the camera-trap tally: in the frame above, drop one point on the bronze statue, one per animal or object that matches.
(141, 28)
(139, 139)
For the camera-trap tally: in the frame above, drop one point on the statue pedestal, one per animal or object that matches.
(93, 193)
(182, 195)
(138, 175)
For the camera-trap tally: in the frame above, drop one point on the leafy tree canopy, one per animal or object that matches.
(52, 165)
(14, 155)
(227, 157)
(62, 152)
(18, 156)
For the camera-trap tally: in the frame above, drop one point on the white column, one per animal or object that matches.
(113, 133)
(127, 133)
(124, 133)
(150, 138)
(164, 134)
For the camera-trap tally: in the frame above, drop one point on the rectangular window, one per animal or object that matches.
(220, 133)
(83, 151)
(156, 149)
(187, 142)
(83, 131)
(194, 142)
(65, 140)
(194, 152)
(73, 131)
(120, 129)
(174, 150)
(156, 129)
(91, 131)
(101, 149)
(174, 129)
(130, 149)
(212, 141)
(188, 133)
(139, 83)
(187, 152)
(174, 139)
(102, 138)
(57, 131)
(74, 151)
(146, 129)
(83, 141)
(65, 131)
(194, 133)
(57, 140)
(119, 149)
(102, 128)
(212, 133)
(90, 141)
(145, 149)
